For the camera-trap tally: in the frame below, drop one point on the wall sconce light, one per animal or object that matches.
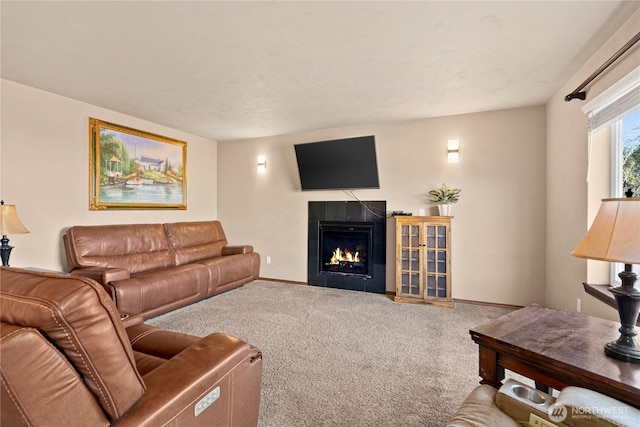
(262, 164)
(453, 150)
(9, 224)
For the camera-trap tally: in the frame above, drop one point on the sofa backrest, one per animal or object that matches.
(78, 317)
(194, 241)
(136, 247)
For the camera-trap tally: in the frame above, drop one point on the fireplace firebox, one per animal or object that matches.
(347, 245)
(344, 248)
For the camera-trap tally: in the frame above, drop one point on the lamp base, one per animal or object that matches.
(627, 352)
(628, 301)
(5, 250)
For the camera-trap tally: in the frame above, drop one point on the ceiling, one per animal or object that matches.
(240, 69)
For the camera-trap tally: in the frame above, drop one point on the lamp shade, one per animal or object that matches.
(10, 222)
(614, 235)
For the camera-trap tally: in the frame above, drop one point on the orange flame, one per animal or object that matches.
(338, 256)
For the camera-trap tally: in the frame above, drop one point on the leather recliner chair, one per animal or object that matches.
(69, 360)
(516, 404)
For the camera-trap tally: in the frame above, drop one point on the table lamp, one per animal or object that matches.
(614, 236)
(9, 224)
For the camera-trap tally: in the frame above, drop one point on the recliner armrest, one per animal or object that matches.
(589, 408)
(102, 275)
(129, 320)
(237, 250)
(479, 410)
(174, 388)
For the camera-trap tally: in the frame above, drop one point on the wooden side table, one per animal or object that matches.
(556, 348)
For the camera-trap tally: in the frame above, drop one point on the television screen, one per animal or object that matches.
(339, 164)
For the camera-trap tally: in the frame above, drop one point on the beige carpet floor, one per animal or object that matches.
(344, 358)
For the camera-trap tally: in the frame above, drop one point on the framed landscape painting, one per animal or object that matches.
(132, 169)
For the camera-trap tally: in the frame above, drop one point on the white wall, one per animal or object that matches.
(498, 229)
(45, 172)
(567, 201)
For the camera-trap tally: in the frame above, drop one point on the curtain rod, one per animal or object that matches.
(583, 95)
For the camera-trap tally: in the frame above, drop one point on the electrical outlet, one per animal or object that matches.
(268, 259)
(536, 421)
(579, 305)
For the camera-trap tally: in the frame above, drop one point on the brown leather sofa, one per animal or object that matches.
(514, 405)
(150, 269)
(68, 360)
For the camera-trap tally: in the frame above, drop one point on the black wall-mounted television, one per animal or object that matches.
(339, 164)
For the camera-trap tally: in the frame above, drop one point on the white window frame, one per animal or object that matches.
(616, 187)
(616, 159)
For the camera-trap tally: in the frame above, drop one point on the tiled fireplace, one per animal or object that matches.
(347, 241)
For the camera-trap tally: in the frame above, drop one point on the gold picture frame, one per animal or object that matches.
(133, 169)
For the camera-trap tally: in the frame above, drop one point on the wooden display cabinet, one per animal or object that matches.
(423, 260)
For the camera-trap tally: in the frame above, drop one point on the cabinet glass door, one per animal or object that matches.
(436, 261)
(410, 260)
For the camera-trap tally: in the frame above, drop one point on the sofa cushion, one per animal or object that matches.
(225, 272)
(195, 241)
(159, 291)
(77, 316)
(136, 247)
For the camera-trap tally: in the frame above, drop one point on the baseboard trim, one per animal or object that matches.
(490, 304)
(392, 294)
(292, 282)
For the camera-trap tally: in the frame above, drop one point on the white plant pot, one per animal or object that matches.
(444, 209)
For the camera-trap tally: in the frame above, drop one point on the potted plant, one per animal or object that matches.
(445, 197)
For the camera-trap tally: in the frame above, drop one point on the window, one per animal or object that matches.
(627, 162)
(614, 116)
(625, 166)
